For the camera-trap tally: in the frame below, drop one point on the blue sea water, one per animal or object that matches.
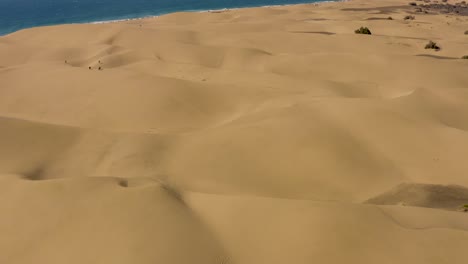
(19, 14)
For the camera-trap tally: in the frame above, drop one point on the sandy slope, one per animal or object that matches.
(265, 135)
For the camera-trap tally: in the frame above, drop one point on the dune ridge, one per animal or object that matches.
(450, 197)
(257, 135)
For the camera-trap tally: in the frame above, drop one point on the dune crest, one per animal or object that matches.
(450, 197)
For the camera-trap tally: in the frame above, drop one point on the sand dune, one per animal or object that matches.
(97, 220)
(259, 135)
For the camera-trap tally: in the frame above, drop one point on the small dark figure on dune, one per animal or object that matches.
(363, 30)
(89, 67)
(100, 68)
(432, 45)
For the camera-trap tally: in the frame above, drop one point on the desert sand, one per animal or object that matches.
(261, 135)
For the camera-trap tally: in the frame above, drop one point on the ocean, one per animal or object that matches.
(20, 14)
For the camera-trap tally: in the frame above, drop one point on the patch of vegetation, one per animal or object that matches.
(465, 205)
(413, 4)
(466, 32)
(391, 18)
(465, 58)
(432, 45)
(409, 17)
(363, 30)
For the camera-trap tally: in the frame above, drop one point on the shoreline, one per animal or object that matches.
(106, 21)
(221, 10)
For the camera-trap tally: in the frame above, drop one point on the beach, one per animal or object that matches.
(253, 135)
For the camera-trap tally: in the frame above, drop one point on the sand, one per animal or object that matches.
(260, 135)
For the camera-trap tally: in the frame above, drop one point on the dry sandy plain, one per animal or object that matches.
(265, 135)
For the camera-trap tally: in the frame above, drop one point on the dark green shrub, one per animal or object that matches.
(363, 30)
(432, 45)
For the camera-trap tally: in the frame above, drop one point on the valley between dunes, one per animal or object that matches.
(260, 135)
